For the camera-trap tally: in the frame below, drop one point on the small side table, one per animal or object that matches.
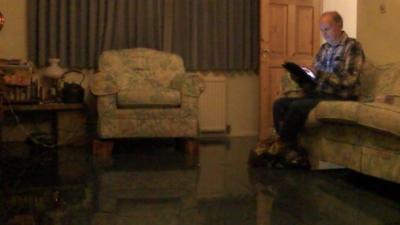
(61, 115)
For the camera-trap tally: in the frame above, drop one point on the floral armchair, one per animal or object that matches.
(145, 93)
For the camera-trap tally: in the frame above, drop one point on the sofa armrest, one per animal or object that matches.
(103, 84)
(189, 84)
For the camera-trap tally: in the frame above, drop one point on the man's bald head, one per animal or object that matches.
(334, 16)
(331, 25)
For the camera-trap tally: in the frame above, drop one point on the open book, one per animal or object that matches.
(302, 75)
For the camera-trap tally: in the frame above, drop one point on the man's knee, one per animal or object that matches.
(297, 104)
(302, 106)
(282, 102)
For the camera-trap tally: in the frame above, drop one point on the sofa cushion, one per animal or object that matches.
(312, 120)
(380, 116)
(148, 97)
(388, 82)
(381, 163)
(342, 111)
(368, 81)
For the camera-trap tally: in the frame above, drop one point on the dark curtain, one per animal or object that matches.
(217, 34)
(77, 31)
(208, 34)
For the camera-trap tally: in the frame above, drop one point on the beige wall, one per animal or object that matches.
(243, 104)
(13, 41)
(13, 44)
(378, 30)
(348, 10)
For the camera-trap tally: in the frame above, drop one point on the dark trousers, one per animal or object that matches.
(290, 115)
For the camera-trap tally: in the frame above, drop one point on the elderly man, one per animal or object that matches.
(337, 66)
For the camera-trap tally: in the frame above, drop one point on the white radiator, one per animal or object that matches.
(213, 103)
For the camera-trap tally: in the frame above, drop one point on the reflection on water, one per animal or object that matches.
(45, 186)
(150, 182)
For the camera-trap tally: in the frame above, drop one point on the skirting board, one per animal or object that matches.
(244, 134)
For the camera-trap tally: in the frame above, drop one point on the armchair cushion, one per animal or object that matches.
(137, 78)
(141, 63)
(148, 97)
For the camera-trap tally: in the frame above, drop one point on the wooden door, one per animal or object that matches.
(289, 32)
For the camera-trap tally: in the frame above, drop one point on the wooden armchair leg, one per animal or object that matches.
(191, 146)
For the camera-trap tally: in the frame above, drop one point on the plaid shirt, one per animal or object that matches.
(339, 67)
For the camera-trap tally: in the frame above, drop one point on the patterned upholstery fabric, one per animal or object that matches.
(343, 111)
(149, 97)
(380, 116)
(145, 93)
(103, 84)
(155, 66)
(388, 82)
(363, 135)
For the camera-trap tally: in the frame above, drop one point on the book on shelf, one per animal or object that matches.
(18, 78)
(6, 64)
(19, 85)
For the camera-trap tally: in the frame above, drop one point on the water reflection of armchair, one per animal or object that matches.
(145, 93)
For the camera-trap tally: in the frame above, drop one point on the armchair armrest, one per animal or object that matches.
(189, 84)
(103, 84)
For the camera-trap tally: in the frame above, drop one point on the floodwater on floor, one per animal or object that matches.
(151, 182)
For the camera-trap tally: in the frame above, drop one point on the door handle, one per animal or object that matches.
(265, 53)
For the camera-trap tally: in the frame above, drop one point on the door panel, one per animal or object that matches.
(276, 86)
(289, 32)
(304, 31)
(278, 29)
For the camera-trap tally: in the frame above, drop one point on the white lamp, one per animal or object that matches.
(54, 70)
(52, 75)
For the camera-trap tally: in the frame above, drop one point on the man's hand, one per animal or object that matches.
(308, 88)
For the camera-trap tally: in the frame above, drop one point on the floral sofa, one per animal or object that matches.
(363, 135)
(145, 93)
